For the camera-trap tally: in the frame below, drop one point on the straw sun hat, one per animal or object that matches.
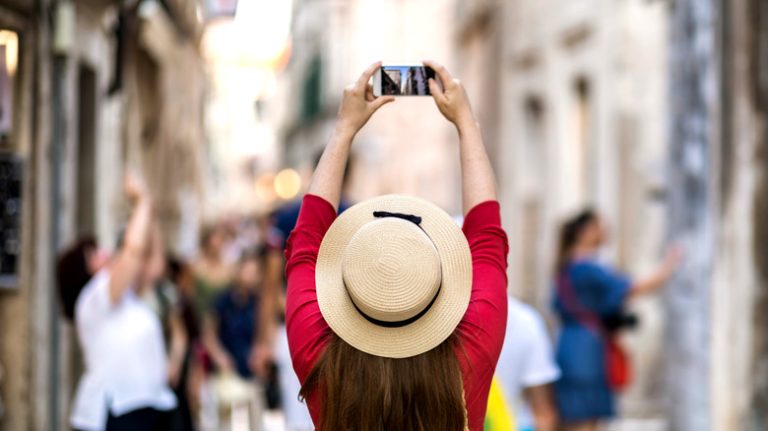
(394, 276)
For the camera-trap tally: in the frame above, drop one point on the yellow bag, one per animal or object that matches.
(500, 415)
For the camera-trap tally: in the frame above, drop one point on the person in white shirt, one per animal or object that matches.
(125, 385)
(526, 369)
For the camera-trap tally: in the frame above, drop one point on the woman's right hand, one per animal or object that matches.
(134, 187)
(451, 99)
(674, 256)
(359, 103)
(658, 279)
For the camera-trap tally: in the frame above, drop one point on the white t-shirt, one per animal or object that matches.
(125, 359)
(526, 359)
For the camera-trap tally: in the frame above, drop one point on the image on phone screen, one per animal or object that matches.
(406, 80)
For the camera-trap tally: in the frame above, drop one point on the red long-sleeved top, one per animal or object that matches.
(481, 331)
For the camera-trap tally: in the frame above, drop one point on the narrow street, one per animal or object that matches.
(652, 116)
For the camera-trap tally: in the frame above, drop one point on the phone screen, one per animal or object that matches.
(406, 80)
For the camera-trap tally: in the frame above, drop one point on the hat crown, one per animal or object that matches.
(391, 270)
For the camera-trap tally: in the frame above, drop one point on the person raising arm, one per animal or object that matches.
(128, 262)
(658, 278)
(125, 384)
(395, 317)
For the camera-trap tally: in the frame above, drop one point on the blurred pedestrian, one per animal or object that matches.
(125, 386)
(213, 273)
(589, 301)
(527, 370)
(185, 375)
(231, 333)
(163, 298)
(396, 322)
(232, 328)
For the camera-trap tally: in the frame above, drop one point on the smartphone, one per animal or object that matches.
(402, 81)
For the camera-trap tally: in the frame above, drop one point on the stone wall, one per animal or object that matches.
(693, 118)
(19, 336)
(757, 13)
(740, 357)
(36, 374)
(717, 344)
(163, 127)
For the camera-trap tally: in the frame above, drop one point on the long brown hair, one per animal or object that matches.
(360, 391)
(72, 273)
(570, 233)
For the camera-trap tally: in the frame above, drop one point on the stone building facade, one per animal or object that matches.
(101, 86)
(655, 114)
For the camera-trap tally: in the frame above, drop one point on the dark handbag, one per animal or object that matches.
(617, 362)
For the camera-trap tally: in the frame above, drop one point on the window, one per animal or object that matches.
(534, 146)
(9, 60)
(11, 165)
(10, 218)
(312, 94)
(534, 272)
(582, 152)
(86, 151)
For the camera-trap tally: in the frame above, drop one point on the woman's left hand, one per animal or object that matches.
(451, 99)
(359, 103)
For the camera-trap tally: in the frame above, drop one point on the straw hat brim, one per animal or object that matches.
(442, 318)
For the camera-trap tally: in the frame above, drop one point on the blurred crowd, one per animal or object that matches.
(200, 344)
(221, 317)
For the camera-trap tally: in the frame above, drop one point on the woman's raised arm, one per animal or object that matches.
(661, 276)
(131, 256)
(477, 177)
(357, 106)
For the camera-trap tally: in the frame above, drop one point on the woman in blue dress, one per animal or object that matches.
(588, 289)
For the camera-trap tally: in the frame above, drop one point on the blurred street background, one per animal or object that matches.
(653, 111)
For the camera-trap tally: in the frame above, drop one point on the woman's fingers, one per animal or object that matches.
(442, 72)
(369, 93)
(437, 92)
(362, 82)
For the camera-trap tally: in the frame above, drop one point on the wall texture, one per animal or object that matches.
(29, 317)
(757, 12)
(717, 343)
(19, 337)
(693, 110)
(740, 356)
(581, 106)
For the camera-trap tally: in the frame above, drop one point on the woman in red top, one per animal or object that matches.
(395, 317)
